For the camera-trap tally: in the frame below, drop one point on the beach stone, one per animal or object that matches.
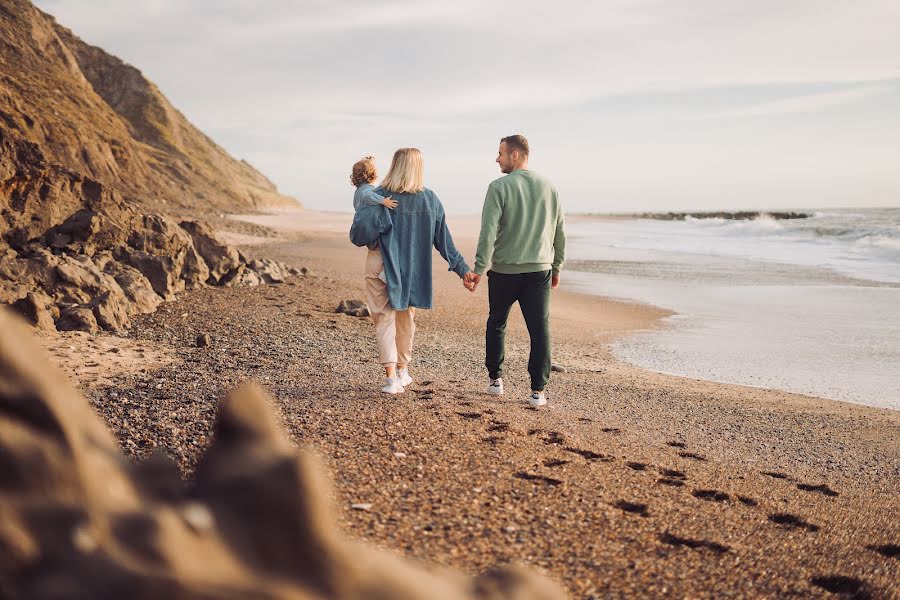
(203, 340)
(269, 270)
(354, 308)
(73, 317)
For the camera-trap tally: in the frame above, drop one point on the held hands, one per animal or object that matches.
(470, 280)
(390, 203)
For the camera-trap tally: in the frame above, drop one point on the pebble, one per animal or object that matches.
(361, 506)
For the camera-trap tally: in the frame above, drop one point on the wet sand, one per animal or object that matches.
(629, 484)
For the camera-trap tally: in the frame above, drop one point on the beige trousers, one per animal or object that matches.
(394, 329)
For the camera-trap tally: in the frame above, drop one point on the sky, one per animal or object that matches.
(628, 105)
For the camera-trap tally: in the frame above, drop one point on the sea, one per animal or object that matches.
(806, 302)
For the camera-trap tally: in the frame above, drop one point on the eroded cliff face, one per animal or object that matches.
(88, 111)
(94, 163)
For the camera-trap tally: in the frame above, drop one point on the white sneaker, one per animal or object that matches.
(496, 387)
(392, 386)
(537, 399)
(404, 376)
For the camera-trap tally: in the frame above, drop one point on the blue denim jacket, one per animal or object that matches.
(369, 222)
(419, 224)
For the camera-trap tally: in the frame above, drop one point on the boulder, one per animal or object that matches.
(220, 259)
(157, 235)
(73, 317)
(38, 309)
(269, 270)
(136, 287)
(354, 308)
(111, 309)
(160, 271)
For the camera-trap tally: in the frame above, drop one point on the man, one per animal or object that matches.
(523, 238)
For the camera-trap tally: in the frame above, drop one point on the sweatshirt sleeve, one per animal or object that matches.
(559, 240)
(490, 219)
(443, 241)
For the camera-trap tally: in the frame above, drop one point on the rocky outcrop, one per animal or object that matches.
(99, 117)
(77, 256)
(78, 520)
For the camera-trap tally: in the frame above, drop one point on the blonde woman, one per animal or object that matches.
(404, 255)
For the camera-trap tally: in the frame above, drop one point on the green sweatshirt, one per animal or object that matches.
(522, 228)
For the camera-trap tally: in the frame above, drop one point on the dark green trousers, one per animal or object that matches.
(532, 292)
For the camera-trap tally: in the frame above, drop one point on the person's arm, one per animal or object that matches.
(372, 198)
(559, 245)
(490, 219)
(443, 241)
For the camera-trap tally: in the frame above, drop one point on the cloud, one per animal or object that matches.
(809, 102)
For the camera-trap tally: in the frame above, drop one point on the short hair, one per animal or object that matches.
(516, 142)
(407, 172)
(363, 171)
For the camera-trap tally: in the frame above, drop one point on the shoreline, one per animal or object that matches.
(630, 316)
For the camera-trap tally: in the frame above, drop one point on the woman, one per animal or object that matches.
(404, 256)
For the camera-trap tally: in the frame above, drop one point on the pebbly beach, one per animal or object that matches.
(629, 484)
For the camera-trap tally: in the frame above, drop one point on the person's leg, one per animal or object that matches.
(382, 313)
(502, 293)
(406, 330)
(534, 300)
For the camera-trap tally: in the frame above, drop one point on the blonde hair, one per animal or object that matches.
(363, 171)
(407, 172)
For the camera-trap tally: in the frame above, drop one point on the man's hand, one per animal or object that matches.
(470, 280)
(554, 281)
(390, 203)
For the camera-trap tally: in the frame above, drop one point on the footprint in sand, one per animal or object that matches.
(493, 440)
(676, 444)
(611, 430)
(670, 482)
(589, 454)
(537, 478)
(637, 466)
(887, 550)
(499, 426)
(674, 540)
(469, 415)
(673, 473)
(746, 500)
(632, 507)
(847, 587)
(711, 495)
(775, 475)
(556, 462)
(790, 521)
(818, 489)
(691, 456)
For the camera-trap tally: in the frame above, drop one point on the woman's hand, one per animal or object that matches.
(390, 203)
(470, 280)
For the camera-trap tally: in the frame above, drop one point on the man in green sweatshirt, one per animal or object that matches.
(523, 239)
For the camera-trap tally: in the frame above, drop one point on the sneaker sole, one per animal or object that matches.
(493, 392)
(536, 403)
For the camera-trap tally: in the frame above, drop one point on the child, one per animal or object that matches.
(362, 176)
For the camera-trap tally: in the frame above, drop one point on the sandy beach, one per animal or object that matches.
(629, 484)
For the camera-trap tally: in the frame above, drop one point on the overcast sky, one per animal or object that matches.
(628, 104)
